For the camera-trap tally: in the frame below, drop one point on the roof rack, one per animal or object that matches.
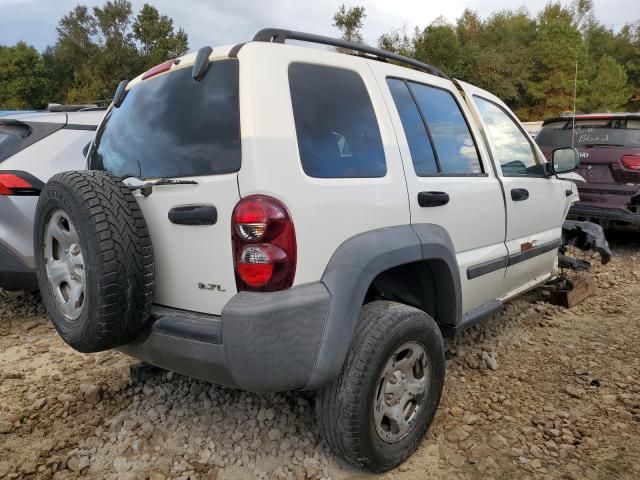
(276, 35)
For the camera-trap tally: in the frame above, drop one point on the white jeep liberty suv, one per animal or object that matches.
(275, 217)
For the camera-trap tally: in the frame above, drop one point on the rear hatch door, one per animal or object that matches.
(177, 142)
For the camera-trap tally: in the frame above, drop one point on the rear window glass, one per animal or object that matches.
(336, 126)
(615, 132)
(15, 135)
(11, 136)
(173, 126)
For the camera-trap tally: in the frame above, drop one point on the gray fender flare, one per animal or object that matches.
(353, 267)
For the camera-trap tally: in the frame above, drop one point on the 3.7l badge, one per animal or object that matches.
(211, 286)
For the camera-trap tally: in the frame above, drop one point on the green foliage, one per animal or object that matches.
(157, 37)
(95, 49)
(23, 83)
(349, 21)
(530, 62)
(609, 90)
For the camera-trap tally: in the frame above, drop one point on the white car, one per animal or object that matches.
(275, 217)
(34, 147)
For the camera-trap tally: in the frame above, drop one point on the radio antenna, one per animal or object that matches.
(575, 88)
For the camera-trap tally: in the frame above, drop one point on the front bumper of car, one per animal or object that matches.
(261, 342)
(608, 218)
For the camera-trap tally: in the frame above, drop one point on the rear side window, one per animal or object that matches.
(173, 126)
(15, 135)
(336, 126)
(11, 136)
(439, 137)
(598, 132)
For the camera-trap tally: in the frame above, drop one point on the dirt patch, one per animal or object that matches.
(538, 391)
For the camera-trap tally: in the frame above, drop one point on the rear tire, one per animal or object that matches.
(94, 260)
(373, 415)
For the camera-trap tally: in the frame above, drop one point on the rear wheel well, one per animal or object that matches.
(427, 285)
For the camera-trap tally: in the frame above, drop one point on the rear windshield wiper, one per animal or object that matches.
(146, 188)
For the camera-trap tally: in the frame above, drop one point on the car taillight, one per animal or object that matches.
(15, 184)
(632, 162)
(264, 245)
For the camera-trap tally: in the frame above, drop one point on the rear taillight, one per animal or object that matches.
(264, 245)
(631, 162)
(19, 183)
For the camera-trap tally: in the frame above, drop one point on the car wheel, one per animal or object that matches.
(94, 260)
(377, 411)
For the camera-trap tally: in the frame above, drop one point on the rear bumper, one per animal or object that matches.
(608, 218)
(14, 274)
(260, 343)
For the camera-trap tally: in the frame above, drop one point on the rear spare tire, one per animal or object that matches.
(94, 260)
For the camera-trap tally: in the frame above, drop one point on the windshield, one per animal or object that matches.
(174, 126)
(615, 132)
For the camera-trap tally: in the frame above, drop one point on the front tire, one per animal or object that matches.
(377, 411)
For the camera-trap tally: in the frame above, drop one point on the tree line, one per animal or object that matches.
(94, 50)
(529, 62)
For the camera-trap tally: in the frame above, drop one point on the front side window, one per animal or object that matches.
(174, 126)
(336, 126)
(511, 145)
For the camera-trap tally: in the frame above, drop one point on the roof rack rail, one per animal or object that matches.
(277, 35)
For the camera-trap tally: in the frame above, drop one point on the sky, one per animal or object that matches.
(218, 22)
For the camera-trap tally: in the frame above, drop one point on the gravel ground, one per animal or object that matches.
(538, 391)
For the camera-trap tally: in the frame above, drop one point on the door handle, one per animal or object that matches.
(193, 215)
(519, 194)
(432, 199)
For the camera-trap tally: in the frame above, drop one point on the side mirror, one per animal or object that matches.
(564, 160)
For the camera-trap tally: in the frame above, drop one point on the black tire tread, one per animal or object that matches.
(124, 267)
(338, 404)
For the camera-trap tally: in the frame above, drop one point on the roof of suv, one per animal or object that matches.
(279, 36)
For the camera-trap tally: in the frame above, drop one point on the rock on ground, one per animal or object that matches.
(537, 392)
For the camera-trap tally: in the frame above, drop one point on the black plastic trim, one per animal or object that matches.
(77, 126)
(14, 274)
(276, 35)
(201, 63)
(193, 215)
(233, 53)
(353, 267)
(187, 325)
(475, 316)
(487, 267)
(519, 257)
